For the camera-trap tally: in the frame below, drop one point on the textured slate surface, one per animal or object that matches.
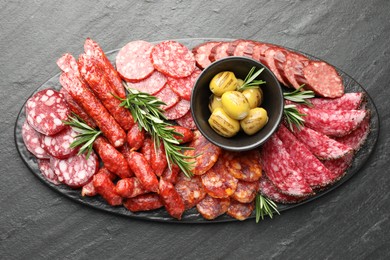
(351, 222)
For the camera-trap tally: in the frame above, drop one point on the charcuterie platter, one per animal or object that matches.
(191, 215)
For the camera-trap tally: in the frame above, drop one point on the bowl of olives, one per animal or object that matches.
(237, 103)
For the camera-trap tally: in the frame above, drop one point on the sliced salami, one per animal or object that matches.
(178, 110)
(133, 61)
(151, 85)
(191, 190)
(241, 48)
(46, 110)
(47, 172)
(243, 165)
(202, 53)
(259, 50)
(348, 101)
(356, 138)
(183, 86)
(246, 191)
(173, 59)
(168, 96)
(339, 166)
(187, 121)
(59, 145)
(33, 141)
(281, 170)
(270, 191)
(210, 208)
(293, 66)
(75, 171)
(219, 51)
(274, 60)
(240, 211)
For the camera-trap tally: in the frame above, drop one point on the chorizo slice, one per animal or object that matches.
(191, 190)
(243, 165)
(246, 191)
(240, 211)
(210, 208)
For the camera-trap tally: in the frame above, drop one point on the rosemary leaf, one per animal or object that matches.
(264, 207)
(250, 82)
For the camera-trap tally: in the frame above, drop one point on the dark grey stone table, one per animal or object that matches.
(352, 222)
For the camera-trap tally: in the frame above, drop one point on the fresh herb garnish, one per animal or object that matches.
(299, 96)
(264, 207)
(250, 82)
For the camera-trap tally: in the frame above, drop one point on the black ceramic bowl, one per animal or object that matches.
(273, 103)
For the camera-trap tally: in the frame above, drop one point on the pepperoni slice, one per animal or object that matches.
(46, 110)
(59, 145)
(240, 211)
(246, 191)
(152, 84)
(187, 121)
(178, 110)
(183, 86)
(168, 96)
(210, 208)
(191, 190)
(202, 53)
(219, 51)
(133, 61)
(46, 170)
(244, 165)
(173, 59)
(33, 141)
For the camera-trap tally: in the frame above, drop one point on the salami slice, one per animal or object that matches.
(59, 145)
(293, 66)
(46, 110)
(210, 208)
(348, 101)
(173, 59)
(75, 171)
(356, 138)
(322, 78)
(202, 53)
(206, 153)
(240, 48)
(219, 51)
(47, 172)
(143, 202)
(217, 182)
(274, 60)
(168, 96)
(133, 61)
(187, 121)
(240, 211)
(259, 50)
(339, 166)
(151, 85)
(281, 170)
(243, 165)
(67, 63)
(270, 191)
(178, 110)
(33, 141)
(191, 190)
(246, 191)
(183, 86)
(323, 147)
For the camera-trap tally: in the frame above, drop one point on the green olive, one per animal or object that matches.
(222, 82)
(256, 120)
(214, 102)
(235, 104)
(223, 124)
(254, 96)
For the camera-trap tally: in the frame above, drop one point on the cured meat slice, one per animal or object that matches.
(246, 191)
(270, 191)
(173, 59)
(240, 48)
(171, 199)
(92, 48)
(217, 182)
(59, 145)
(33, 141)
(106, 188)
(47, 172)
(46, 110)
(243, 165)
(293, 66)
(101, 86)
(129, 187)
(206, 153)
(187, 121)
(323, 147)
(168, 96)
(322, 78)
(332, 122)
(281, 170)
(178, 110)
(274, 60)
(191, 190)
(356, 138)
(202, 53)
(315, 173)
(259, 50)
(183, 86)
(219, 51)
(339, 166)
(240, 211)
(94, 108)
(210, 208)
(75, 171)
(151, 85)
(67, 63)
(143, 202)
(348, 101)
(133, 61)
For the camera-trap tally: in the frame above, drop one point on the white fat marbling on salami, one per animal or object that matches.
(33, 141)
(46, 170)
(151, 85)
(202, 53)
(168, 96)
(187, 121)
(178, 110)
(269, 190)
(183, 86)
(59, 145)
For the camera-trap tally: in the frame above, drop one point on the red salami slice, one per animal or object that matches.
(259, 50)
(243, 165)
(202, 53)
(183, 86)
(274, 60)
(323, 79)
(348, 101)
(219, 51)
(33, 141)
(281, 170)
(323, 147)
(190, 190)
(210, 208)
(46, 110)
(59, 145)
(293, 66)
(187, 121)
(217, 182)
(133, 61)
(67, 63)
(178, 110)
(152, 84)
(270, 191)
(240, 48)
(356, 138)
(240, 211)
(332, 122)
(47, 172)
(173, 59)
(246, 191)
(339, 166)
(75, 171)
(168, 96)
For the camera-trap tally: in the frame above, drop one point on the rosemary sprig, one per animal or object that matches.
(293, 117)
(147, 112)
(299, 96)
(250, 82)
(87, 135)
(264, 207)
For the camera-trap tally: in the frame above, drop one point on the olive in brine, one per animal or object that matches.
(221, 123)
(214, 102)
(222, 82)
(235, 104)
(254, 96)
(256, 120)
